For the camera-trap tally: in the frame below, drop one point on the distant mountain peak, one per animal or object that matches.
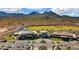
(33, 13)
(10, 14)
(51, 13)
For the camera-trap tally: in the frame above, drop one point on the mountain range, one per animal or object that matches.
(73, 12)
(10, 14)
(35, 18)
(32, 13)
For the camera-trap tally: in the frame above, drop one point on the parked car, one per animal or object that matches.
(44, 35)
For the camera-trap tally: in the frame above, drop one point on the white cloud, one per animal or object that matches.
(67, 11)
(39, 3)
(10, 10)
(60, 11)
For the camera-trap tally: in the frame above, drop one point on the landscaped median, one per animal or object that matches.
(9, 38)
(55, 39)
(52, 27)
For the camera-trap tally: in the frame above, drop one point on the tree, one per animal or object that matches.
(53, 47)
(32, 47)
(42, 48)
(57, 48)
(42, 41)
(68, 48)
(28, 41)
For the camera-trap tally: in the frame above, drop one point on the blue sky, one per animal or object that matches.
(40, 10)
(24, 10)
(60, 11)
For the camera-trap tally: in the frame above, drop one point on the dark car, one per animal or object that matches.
(44, 35)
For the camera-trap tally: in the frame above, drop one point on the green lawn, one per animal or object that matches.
(52, 27)
(9, 38)
(55, 39)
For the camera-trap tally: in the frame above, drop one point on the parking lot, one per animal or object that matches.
(29, 45)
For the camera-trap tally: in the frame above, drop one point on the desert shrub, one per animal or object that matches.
(68, 48)
(42, 48)
(42, 41)
(57, 48)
